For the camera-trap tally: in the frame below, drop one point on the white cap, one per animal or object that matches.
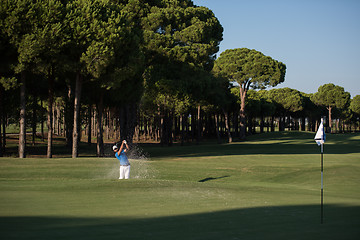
(115, 147)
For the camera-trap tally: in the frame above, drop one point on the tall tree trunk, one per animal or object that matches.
(42, 121)
(330, 120)
(54, 117)
(227, 126)
(89, 124)
(242, 113)
(111, 123)
(164, 122)
(282, 123)
(69, 117)
(4, 119)
(93, 122)
(1, 146)
(176, 128)
(207, 126)
(4, 132)
(272, 123)
(262, 123)
(50, 115)
(137, 133)
(288, 123)
(76, 115)
(217, 128)
(170, 127)
(303, 119)
(107, 123)
(313, 124)
(117, 125)
(100, 132)
(145, 128)
(22, 134)
(198, 127)
(33, 121)
(58, 110)
(182, 123)
(157, 124)
(2, 113)
(193, 125)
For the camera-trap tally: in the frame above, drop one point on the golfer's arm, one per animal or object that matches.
(121, 148)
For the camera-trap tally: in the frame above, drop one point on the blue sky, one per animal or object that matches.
(318, 40)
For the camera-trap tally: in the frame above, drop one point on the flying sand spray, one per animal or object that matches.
(140, 163)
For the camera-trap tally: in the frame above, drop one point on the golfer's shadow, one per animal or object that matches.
(211, 178)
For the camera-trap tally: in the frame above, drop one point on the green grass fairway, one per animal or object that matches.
(265, 188)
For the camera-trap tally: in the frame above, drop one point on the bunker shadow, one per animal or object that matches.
(211, 178)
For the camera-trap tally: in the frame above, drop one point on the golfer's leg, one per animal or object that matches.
(122, 173)
(127, 172)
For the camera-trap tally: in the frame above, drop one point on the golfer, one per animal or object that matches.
(120, 154)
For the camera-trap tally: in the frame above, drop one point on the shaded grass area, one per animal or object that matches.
(59, 148)
(292, 142)
(265, 188)
(289, 222)
(268, 143)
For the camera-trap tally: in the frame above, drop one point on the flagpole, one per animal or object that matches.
(320, 140)
(322, 183)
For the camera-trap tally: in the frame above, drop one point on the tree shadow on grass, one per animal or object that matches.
(283, 222)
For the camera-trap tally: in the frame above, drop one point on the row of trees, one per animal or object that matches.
(150, 66)
(102, 53)
(268, 110)
(281, 108)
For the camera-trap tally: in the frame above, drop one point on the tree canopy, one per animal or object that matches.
(331, 96)
(355, 104)
(249, 68)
